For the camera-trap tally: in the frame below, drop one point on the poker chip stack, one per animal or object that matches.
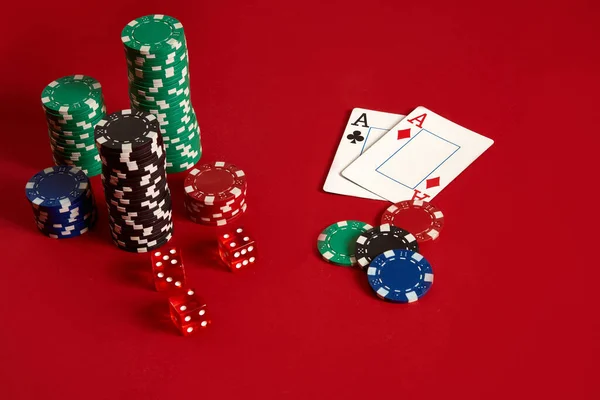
(134, 178)
(159, 83)
(215, 193)
(62, 201)
(73, 105)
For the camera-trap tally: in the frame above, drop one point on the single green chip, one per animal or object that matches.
(155, 95)
(72, 95)
(181, 165)
(174, 105)
(134, 58)
(153, 34)
(158, 72)
(338, 241)
(84, 140)
(178, 145)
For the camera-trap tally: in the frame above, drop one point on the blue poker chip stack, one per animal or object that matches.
(62, 201)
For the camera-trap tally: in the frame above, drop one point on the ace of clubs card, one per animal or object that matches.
(364, 127)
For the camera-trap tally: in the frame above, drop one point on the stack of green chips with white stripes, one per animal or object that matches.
(159, 83)
(73, 105)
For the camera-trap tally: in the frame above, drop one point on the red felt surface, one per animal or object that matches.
(513, 312)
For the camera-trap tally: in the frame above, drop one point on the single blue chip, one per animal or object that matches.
(57, 187)
(59, 221)
(401, 276)
(79, 223)
(64, 234)
(71, 212)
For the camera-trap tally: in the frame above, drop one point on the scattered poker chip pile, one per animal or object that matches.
(135, 182)
(159, 83)
(215, 193)
(73, 105)
(62, 201)
(389, 253)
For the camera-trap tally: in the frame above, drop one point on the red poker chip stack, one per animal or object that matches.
(215, 193)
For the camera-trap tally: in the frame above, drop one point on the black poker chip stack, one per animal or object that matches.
(135, 182)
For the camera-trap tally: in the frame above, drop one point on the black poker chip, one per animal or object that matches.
(136, 156)
(157, 206)
(141, 229)
(141, 195)
(139, 204)
(138, 152)
(137, 226)
(380, 239)
(117, 178)
(136, 247)
(134, 168)
(120, 212)
(126, 130)
(152, 191)
(136, 238)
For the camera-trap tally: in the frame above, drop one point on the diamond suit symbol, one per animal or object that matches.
(432, 182)
(404, 134)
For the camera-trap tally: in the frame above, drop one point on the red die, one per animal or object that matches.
(167, 269)
(236, 249)
(188, 312)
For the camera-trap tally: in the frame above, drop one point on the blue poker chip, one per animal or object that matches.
(63, 231)
(73, 211)
(78, 222)
(401, 276)
(64, 234)
(57, 187)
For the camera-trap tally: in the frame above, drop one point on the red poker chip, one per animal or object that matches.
(216, 208)
(218, 222)
(216, 183)
(214, 214)
(419, 217)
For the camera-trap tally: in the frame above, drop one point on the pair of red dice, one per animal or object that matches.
(187, 309)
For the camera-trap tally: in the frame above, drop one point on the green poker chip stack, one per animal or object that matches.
(73, 105)
(159, 83)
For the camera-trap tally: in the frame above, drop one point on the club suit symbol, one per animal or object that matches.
(355, 137)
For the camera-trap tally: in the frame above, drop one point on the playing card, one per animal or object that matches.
(364, 128)
(417, 158)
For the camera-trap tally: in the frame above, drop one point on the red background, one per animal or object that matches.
(511, 313)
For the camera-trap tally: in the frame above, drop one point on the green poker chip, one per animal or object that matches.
(72, 95)
(178, 96)
(337, 242)
(140, 61)
(158, 95)
(153, 34)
